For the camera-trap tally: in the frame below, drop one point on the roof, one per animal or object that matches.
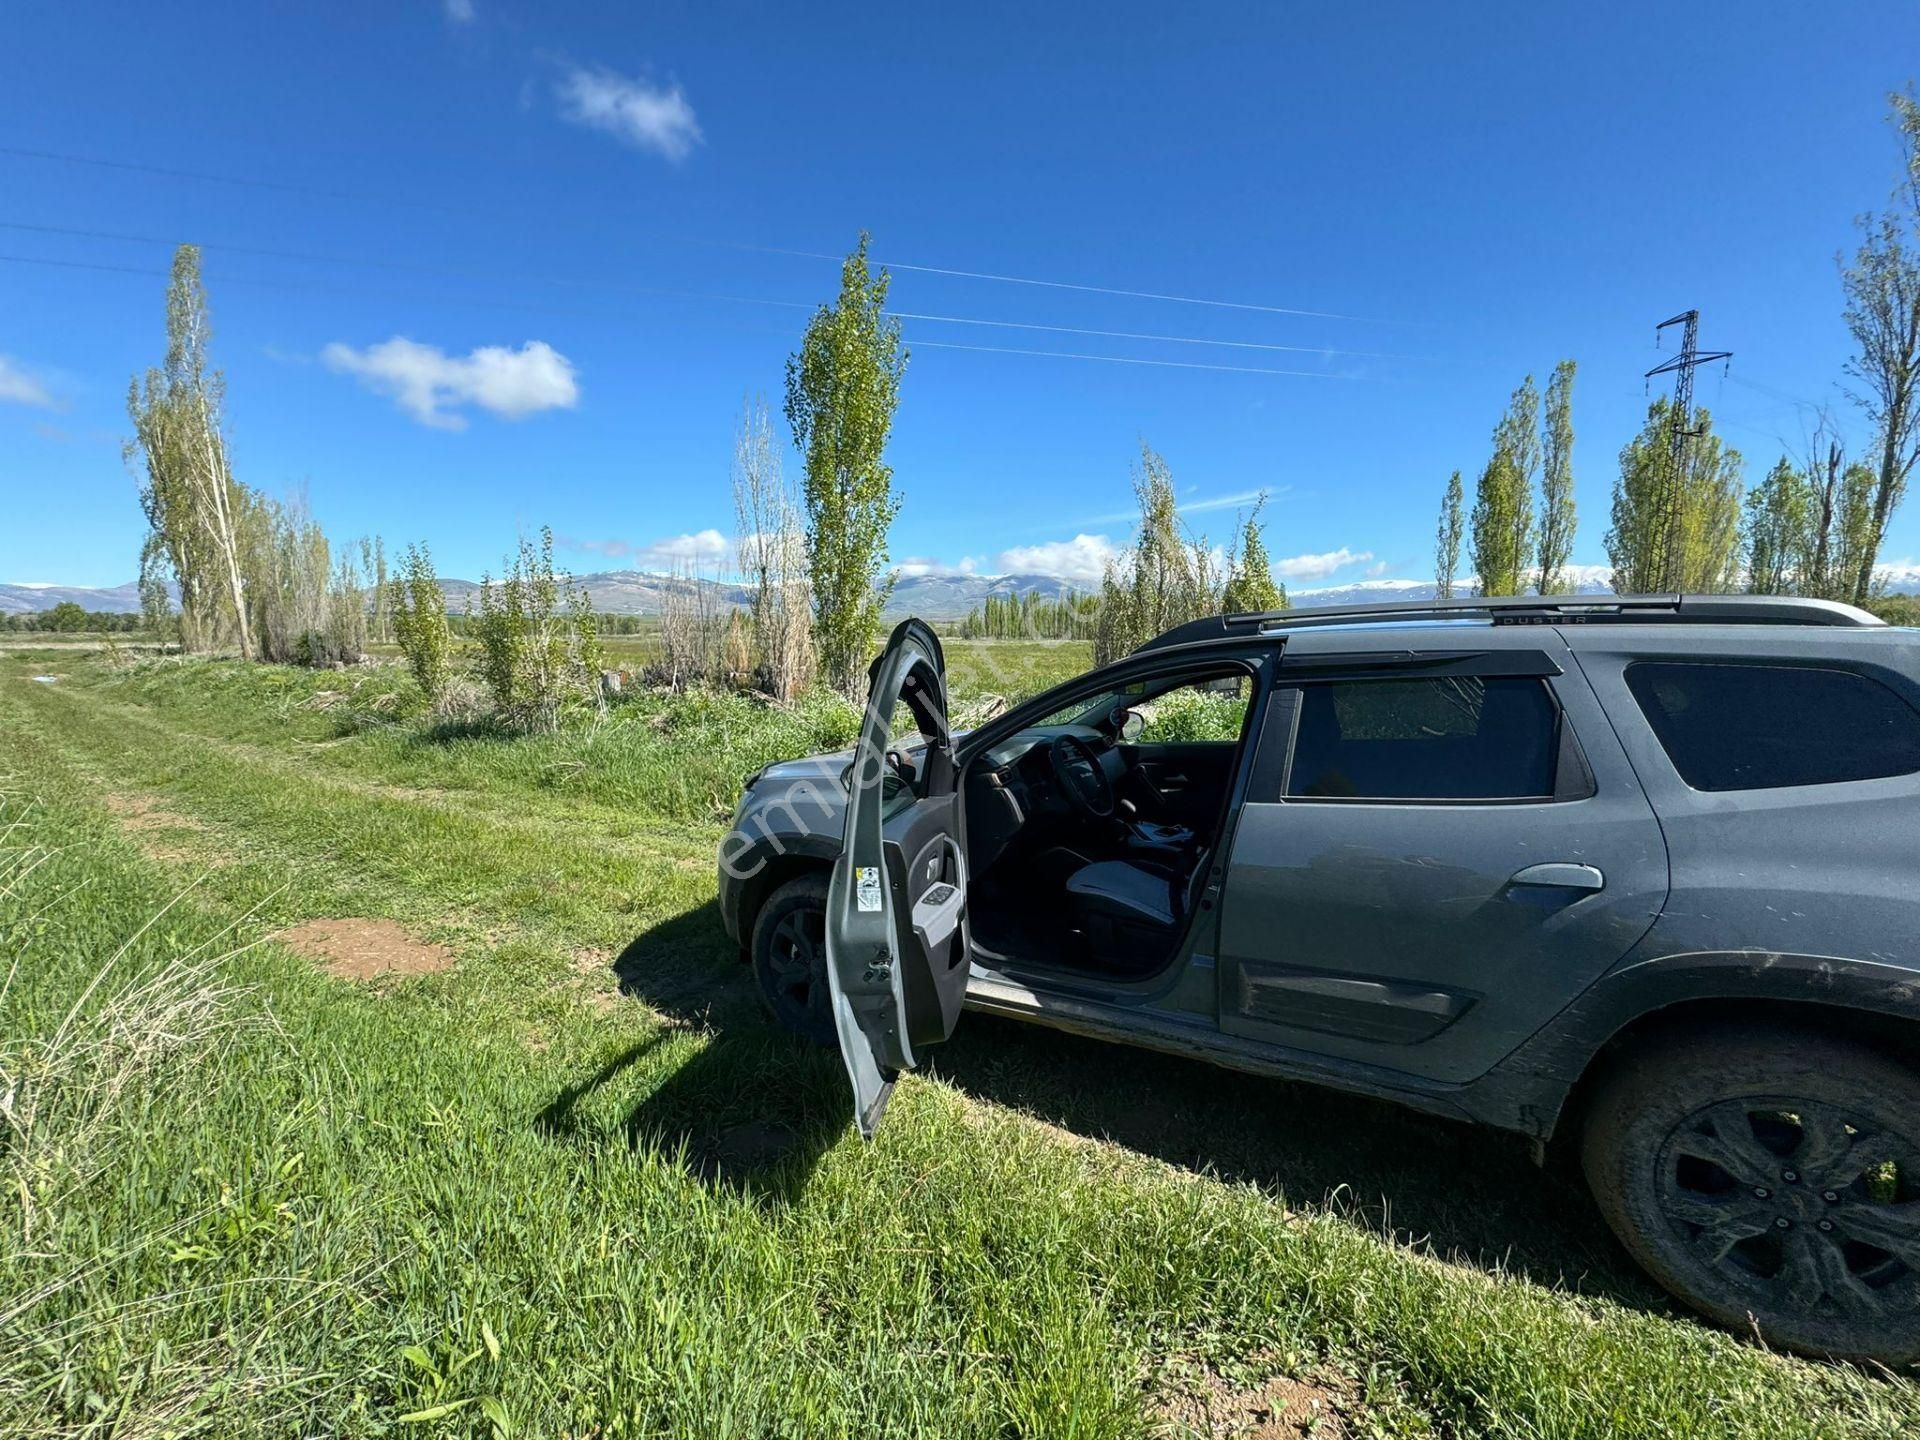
(1526, 610)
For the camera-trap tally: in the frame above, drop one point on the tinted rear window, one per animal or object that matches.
(1459, 737)
(1758, 727)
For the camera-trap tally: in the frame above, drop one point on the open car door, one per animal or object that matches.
(898, 950)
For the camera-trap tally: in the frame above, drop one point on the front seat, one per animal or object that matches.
(1130, 915)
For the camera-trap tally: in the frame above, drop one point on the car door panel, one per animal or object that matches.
(898, 946)
(1433, 937)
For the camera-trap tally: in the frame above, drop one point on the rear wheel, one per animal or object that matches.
(790, 959)
(1770, 1178)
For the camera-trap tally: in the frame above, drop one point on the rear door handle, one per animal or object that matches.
(1561, 875)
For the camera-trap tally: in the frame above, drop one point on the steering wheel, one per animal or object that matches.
(1076, 766)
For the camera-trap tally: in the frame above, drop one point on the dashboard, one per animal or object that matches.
(1013, 785)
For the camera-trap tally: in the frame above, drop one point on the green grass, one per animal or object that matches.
(514, 1197)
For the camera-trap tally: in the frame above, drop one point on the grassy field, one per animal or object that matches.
(563, 1179)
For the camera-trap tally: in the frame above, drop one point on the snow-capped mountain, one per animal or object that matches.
(933, 597)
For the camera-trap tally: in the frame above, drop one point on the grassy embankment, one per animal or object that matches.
(573, 1183)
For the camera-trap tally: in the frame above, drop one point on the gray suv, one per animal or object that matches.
(1640, 875)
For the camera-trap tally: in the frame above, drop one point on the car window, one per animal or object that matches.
(1455, 737)
(1759, 727)
(1213, 710)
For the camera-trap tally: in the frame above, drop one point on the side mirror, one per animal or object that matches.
(1131, 725)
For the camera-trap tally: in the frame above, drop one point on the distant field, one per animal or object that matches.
(552, 1174)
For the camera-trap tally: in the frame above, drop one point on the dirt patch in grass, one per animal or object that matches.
(1199, 1400)
(146, 820)
(366, 949)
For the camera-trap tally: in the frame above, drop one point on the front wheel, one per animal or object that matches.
(790, 959)
(1770, 1178)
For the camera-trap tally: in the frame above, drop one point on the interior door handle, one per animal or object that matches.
(1561, 875)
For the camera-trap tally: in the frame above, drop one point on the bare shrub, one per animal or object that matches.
(305, 608)
(693, 629)
(772, 552)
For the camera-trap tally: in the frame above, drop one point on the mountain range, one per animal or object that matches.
(933, 597)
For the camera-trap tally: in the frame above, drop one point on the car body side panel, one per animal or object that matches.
(1389, 933)
(1797, 870)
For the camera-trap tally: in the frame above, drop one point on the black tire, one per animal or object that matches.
(1770, 1179)
(789, 955)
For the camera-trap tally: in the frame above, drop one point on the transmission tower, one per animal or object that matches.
(1681, 367)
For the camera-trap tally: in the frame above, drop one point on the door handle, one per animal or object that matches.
(1561, 875)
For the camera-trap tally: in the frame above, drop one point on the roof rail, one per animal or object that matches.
(1528, 610)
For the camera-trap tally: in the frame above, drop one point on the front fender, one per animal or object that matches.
(751, 863)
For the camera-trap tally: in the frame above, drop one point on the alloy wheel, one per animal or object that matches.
(1797, 1206)
(797, 971)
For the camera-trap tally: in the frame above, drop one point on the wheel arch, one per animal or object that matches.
(1897, 1036)
(778, 870)
(1542, 1088)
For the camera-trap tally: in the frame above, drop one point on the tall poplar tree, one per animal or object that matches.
(1779, 531)
(842, 386)
(1557, 517)
(1503, 525)
(1446, 548)
(1882, 288)
(196, 511)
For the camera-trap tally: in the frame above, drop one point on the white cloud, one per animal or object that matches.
(459, 11)
(1083, 559)
(915, 566)
(1228, 502)
(1238, 500)
(20, 386)
(431, 385)
(634, 111)
(704, 550)
(1319, 567)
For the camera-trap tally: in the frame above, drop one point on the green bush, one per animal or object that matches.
(539, 644)
(1193, 714)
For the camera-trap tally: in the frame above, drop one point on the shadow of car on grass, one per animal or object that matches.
(749, 1108)
(754, 1109)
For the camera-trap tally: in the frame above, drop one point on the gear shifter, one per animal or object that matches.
(1145, 838)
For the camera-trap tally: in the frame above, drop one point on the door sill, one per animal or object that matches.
(1198, 1039)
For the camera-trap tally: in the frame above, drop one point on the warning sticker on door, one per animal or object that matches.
(866, 887)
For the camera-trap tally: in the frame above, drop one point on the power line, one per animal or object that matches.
(1774, 393)
(1128, 294)
(1138, 335)
(468, 272)
(414, 267)
(914, 343)
(295, 187)
(1130, 360)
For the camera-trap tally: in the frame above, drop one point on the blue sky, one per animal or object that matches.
(503, 264)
